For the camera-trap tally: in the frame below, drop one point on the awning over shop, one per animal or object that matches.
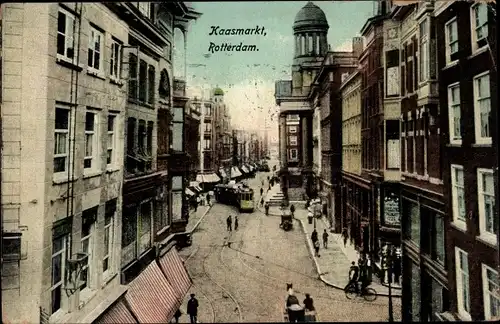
(151, 297)
(222, 173)
(117, 313)
(207, 178)
(175, 271)
(195, 185)
(189, 192)
(244, 169)
(235, 173)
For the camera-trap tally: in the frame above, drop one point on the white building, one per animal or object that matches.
(62, 158)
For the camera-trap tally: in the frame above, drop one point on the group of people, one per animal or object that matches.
(315, 241)
(200, 200)
(229, 222)
(360, 273)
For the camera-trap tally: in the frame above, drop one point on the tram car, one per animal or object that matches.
(238, 195)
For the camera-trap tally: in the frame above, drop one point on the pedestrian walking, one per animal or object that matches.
(261, 201)
(344, 235)
(196, 202)
(325, 239)
(235, 223)
(292, 210)
(261, 191)
(267, 209)
(397, 269)
(269, 188)
(177, 315)
(369, 268)
(308, 303)
(229, 222)
(314, 236)
(192, 309)
(316, 248)
(208, 199)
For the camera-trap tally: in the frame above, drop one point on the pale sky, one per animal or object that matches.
(248, 77)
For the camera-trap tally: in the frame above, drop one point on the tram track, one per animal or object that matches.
(222, 302)
(274, 281)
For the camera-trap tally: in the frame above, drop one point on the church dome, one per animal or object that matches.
(310, 15)
(218, 92)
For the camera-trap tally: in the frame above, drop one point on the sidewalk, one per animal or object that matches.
(195, 218)
(334, 262)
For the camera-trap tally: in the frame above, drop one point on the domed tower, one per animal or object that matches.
(311, 44)
(310, 29)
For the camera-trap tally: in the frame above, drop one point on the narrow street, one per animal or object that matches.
(246, 281)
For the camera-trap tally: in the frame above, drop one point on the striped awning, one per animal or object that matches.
(117, 313)
(235, 172)
(207, 178)
(173, 267)
(244, 169)
(151, 297)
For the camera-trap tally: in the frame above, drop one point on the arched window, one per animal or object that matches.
(164, 88)
(179, 54)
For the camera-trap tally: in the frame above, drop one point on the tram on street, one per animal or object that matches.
(235, 194)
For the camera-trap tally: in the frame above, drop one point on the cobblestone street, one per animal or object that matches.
(246, 281)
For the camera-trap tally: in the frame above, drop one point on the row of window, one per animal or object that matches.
(98, 264)
(482, 110)
(65, 119)
(66, 42)
(486, 202)
(351, 131)
(139, 145)
(490, 287)
(479, 32)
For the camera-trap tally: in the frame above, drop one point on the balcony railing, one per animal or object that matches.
(179, 88)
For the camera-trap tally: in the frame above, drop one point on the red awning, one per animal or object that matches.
(151, 298)
(173, 268)
(117, 313)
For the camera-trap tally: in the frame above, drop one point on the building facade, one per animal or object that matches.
(352, 206)
(372, 80)
(66, 165)
(421, 197)
(467, 59)
(325, 96)
(310, 33)
(223, 136)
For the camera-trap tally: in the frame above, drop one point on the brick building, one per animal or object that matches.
(467, 53)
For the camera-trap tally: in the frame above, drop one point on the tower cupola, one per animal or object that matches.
(310, 29)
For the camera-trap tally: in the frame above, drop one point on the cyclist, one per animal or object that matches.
(353, 277)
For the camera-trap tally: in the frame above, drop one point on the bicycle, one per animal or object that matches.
(369, 294)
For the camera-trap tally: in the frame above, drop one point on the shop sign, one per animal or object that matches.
(392, 215)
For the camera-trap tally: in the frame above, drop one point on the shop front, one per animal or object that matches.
(357, 208)
(154, 295)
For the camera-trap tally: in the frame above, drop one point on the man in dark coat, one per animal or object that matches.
(192, 309)
(229, 222)
(292, 210)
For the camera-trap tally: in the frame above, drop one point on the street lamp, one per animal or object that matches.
(389, 260)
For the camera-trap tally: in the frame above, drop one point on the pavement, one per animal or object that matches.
(195, 217)
(334, 262)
